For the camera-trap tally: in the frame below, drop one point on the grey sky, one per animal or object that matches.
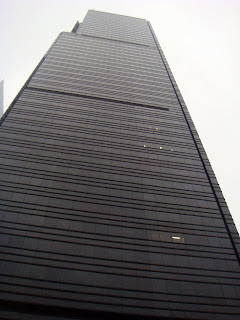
(200, 39)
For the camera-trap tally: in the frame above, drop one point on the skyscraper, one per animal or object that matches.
(110, 208)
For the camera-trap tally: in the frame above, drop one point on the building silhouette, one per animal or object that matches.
(110, 208)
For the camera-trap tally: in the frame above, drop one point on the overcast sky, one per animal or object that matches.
(200, 39)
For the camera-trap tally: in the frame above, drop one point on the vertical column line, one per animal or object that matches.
(198, 150)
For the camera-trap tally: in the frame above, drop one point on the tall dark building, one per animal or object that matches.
(110, 208)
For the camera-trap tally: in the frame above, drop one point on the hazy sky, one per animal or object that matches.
(200, 39)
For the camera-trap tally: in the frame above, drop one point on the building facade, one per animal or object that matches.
(110, 208)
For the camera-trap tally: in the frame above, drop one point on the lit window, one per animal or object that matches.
(167, 237)
(178, 239)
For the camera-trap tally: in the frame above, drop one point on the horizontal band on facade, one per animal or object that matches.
(129, 42)
(97, 98)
